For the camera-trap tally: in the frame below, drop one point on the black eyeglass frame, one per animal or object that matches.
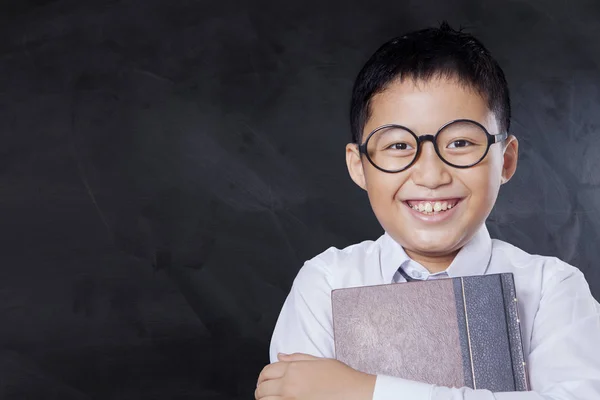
(491, 139)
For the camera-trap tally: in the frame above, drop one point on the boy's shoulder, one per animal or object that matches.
(511, 258)
(333, 256)
(344, 266)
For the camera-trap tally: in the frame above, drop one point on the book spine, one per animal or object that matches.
(514, 333)
(487, 332)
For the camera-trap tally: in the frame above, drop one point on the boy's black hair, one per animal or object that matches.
(425, 54)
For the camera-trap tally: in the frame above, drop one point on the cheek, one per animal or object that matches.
(483, 183)
(383, 187)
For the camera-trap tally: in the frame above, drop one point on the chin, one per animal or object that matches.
(431, 250)
(435, 243)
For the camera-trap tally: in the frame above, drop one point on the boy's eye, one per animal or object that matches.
(400, 146)
(457, 144)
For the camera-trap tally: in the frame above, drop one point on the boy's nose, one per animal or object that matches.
(429, 170)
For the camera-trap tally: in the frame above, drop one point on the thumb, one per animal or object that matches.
(296, 357)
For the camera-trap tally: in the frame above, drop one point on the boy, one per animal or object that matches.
(430, 115)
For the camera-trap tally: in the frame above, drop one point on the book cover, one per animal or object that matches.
(452, 332)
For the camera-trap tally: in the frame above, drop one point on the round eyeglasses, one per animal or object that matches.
(461, 143)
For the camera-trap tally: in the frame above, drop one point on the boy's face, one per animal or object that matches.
(424, 107)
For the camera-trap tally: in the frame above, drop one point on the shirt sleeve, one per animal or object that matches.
(304, 324)
(564, 360)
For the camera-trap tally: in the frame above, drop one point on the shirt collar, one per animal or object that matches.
(472, 259)
(392, 256)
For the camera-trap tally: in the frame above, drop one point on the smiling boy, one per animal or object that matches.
(430, 117)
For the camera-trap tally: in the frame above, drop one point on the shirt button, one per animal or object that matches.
(417, 275)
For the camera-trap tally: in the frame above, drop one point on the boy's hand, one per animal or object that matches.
(304, 377)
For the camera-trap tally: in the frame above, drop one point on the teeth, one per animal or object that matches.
(429, 207)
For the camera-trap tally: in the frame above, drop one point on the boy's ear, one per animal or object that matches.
(511, 156)
(355, 166)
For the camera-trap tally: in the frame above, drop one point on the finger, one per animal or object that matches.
(271, 371)
(268, 389)
(297, 357)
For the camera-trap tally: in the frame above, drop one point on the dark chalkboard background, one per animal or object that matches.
(167, 166)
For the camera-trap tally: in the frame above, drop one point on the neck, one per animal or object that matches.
(433, 263)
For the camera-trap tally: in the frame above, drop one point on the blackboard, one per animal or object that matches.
(167, 166)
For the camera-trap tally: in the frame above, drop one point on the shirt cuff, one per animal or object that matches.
(392, 388)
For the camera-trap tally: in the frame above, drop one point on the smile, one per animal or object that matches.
(432, 207)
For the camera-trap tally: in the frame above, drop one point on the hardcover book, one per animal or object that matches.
(451, 332)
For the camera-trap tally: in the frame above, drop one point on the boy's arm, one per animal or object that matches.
(305, 323)
(564, 361)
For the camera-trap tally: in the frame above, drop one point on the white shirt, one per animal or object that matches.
(560, 320)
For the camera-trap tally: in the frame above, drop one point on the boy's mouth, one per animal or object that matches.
(430, 207)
